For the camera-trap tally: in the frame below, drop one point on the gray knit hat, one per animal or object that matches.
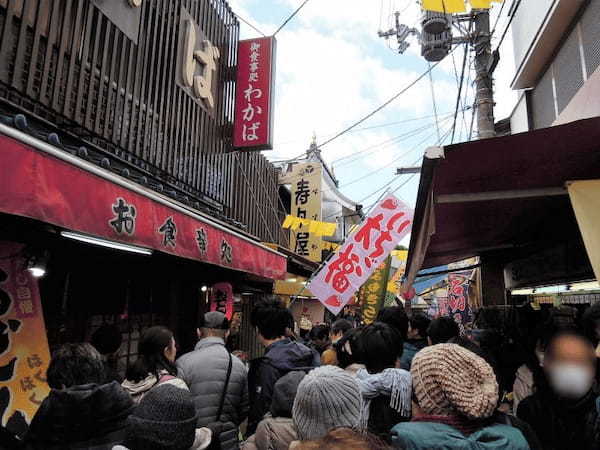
(327, 398)
(165, 419)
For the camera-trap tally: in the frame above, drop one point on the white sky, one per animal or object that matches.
(332, 69)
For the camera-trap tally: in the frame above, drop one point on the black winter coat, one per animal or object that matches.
(280, 358)
(561, 424)
(92, 417)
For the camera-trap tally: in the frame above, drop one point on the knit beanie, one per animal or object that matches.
(164, 419)
(284, 394)
(449, 379)
(327, 398)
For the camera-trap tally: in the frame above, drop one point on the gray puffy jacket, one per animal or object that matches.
(204, 370)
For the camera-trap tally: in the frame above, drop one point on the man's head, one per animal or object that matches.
(319, 336)
(441, 330)
(570, 365)
(396, 317)
(417, 326)
(271, 320)
(338, 329)
(213, 324)
(75, 365)
(381, 347)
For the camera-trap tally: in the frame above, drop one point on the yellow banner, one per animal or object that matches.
(305, 180)
(445, 6)
(585, 199)
(24, 354)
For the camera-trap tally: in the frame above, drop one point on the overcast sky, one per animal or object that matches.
(333, 69)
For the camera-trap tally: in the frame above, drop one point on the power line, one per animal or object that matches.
(285, 22)
(514, 13)
(460, 86)
(372, 113)
(250, 25)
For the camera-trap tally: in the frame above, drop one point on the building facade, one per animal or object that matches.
(557, 60)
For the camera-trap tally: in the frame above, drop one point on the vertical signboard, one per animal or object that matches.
(24, 354)
(306, 181)
(372, 294)
(253, 122)
(364, 250)
(458, 298)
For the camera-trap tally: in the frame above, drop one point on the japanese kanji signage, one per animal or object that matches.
(372, 294)
(305, 181)
(458, 298)
(221, 299)
(198, 63)
(35, 185)
(254, 94)
(364, 250)
(24, 354)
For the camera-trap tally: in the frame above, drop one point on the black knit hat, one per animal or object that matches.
(165, 419)
(284, 394)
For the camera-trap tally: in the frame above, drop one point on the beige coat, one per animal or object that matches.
(272, 434)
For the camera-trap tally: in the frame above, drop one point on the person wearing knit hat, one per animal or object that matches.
(327, 398)
(165, 420)
(456, 394)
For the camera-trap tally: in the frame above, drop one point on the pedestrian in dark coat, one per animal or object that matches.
(204, 370)
(564, 412)
(282, 355)
(81, 412)
(416, 339)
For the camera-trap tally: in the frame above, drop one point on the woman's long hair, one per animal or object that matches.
(151, 355)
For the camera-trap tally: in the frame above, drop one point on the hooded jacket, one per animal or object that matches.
(89, 416)
(280, 358)
(204, 370)
(434, 436)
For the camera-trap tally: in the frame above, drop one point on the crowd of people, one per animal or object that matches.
(401, 382)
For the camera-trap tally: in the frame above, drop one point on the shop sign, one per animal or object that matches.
(372, 294)
(221, 299)
(41, 187)
(197, 64)
(306, 181)
(364, 250)
(24, 354)
(253, 123)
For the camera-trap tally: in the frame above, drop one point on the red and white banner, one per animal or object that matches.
(364, 250)
(36, 185)
(253, 123)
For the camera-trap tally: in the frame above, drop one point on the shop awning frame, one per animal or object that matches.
(50, 151)
(465, 187)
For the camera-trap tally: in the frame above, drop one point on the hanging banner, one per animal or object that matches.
(363, 251)
(305, 180)
(221, 299)
(36, 185)
(585, 199)
(24, 354)
(456, 6)
(253, 123)
(372, 293)
(458, 298)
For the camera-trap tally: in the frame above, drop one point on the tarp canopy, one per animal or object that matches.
(507, 194)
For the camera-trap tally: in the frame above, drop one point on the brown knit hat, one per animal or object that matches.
(449, 379)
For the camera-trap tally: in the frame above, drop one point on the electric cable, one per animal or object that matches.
(285, 22)
(514, 13)
(250, 25)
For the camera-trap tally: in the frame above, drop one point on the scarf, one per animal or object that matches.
(462, 424)
(394, 383)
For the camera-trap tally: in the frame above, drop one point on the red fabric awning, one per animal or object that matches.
(501, 194)
(52, 186)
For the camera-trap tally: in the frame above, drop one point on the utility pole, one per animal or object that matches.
(484, 94)
(436, 39)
